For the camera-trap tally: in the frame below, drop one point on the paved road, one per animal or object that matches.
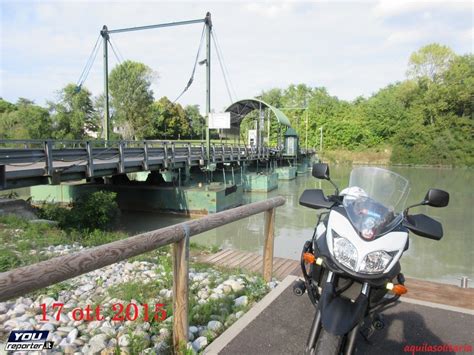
(282, 328)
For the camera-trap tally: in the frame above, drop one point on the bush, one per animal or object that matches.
(98, 210)
(55, 212)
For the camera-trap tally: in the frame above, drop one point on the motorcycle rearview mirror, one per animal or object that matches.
(433, 198)
(436, 198)
(321, 171)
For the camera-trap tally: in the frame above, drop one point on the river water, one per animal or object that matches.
(443, 261)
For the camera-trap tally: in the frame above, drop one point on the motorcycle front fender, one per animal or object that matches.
(339, 315)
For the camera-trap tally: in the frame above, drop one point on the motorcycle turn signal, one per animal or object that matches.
(397, 289)
(311, 259)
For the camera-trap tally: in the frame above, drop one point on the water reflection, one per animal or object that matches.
(444, 260)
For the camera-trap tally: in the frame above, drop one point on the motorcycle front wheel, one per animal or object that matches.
(328, 344)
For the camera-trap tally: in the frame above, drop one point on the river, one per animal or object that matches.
(442, 261)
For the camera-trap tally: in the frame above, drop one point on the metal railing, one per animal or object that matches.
(74, 160)
(20, 281)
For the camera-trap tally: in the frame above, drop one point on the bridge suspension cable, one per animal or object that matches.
(222, 63)
(115, 50)
(88, 66)
(191, 79)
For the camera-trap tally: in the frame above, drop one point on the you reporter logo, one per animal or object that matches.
(28, 340)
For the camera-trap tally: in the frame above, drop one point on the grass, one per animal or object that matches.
(22, 241)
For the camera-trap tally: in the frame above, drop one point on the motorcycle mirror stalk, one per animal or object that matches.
(321, 171)
(433, 198)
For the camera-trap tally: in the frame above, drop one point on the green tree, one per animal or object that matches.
(132, 99)
(6, 106)
(73, 113)
(169, 120)
(384, 112)
(430, 61)
(25, 120)
(196, 121)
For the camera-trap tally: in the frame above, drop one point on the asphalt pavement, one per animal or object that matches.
(283, 327)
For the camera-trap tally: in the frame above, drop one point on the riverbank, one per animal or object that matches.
(376, 156)
(380, 156)
(130, 302)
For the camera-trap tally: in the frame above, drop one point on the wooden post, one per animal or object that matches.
(180, 293)
(268, 247)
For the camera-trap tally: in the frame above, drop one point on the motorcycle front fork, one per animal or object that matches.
(314, 333)
(349, 343)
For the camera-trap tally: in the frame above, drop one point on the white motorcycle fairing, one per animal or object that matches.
(392, 242)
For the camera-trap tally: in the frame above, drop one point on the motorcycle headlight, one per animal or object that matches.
(375, 262)
(344, 251)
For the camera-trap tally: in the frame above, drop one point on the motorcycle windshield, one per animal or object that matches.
(374, 199)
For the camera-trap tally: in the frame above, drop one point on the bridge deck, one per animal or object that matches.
(43, 162)
(417, 289)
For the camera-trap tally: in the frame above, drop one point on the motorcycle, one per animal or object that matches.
(351, 269)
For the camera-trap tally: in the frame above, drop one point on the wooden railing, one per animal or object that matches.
(20, 281)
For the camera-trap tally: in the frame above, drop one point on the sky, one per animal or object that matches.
(352, 48)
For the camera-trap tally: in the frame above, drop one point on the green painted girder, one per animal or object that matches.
(238, 110)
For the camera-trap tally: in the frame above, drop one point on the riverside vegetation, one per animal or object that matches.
(425, 119)
(217, 297)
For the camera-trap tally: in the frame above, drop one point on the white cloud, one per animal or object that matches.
(352, 48)
(406, 36)
(390, 8)
(270, 8)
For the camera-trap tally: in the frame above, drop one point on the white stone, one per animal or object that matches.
(239, 314)
(65, 329)
(214, 325)
(202, 331)
(236, 285)
(193, 329)
(97, 343)
(241, 301)
(164, 332)
(49, 327)
(71, 337)
(94, 324)
(273, 284)
(108, 329)
(3, 308)
(216, 296)
(199, 343)
(48, 301)
(124, 340)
